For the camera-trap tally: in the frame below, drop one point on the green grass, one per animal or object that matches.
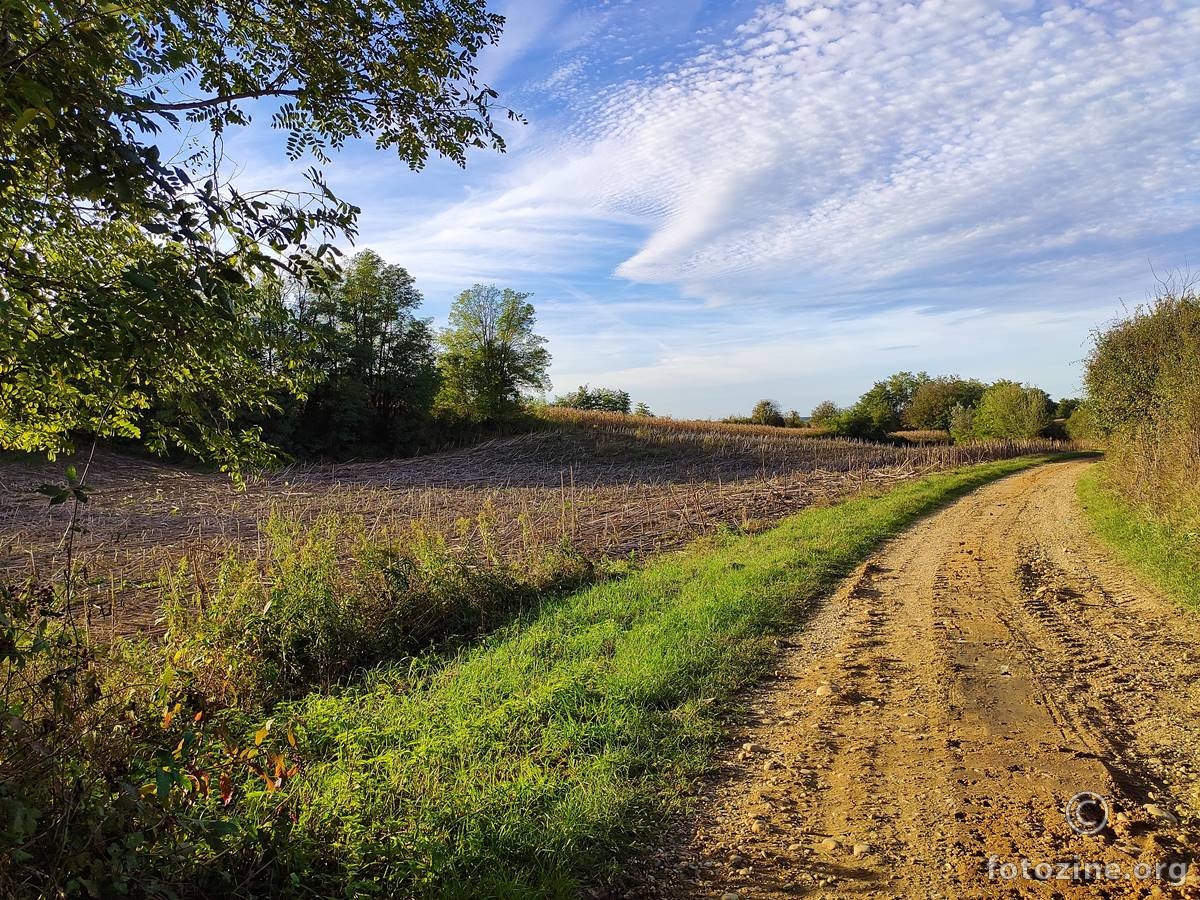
(1167, 557)
(539, 758)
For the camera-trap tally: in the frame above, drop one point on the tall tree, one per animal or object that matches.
(123, 273)
(376, 358)
(491, 354)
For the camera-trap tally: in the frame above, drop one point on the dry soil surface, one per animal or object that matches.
(926, 729)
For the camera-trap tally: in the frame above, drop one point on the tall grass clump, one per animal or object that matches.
(1143, 381)
(321, 601)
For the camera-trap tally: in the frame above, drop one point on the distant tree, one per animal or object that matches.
(881, 409)
(491, 354)
(603, 399)
(962, 423)
(1010, 410)
(933, 401)
(1066, 406)
(824, 414)
(793, 419)
(642, 410)
(766, 412)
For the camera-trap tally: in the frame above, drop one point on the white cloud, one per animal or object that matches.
(865, 144)
(828, 193)
(800, 360)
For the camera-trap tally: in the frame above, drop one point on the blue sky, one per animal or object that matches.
(718, 202)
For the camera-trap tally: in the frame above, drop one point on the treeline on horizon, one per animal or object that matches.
(364, 375)
(963, 409)
(370, 377)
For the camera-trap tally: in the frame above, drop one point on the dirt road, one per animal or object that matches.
(928, 726)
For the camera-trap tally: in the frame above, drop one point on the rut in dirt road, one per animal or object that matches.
(927, 727)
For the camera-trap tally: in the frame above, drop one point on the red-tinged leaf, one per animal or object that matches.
(226, 789)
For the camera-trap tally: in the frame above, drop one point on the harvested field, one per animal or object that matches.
(608, 485)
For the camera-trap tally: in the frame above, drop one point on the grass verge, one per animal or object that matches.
(539, 758)
(1165, 556)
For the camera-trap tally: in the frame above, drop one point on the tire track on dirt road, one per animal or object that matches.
(939, 711)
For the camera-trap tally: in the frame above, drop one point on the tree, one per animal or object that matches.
(1066, 407)
(881, 409)
(491, 354)
(793, 419)
(642, 410)
(1081, 424)
(824, 414)
(124, 273)
(962, 423)
(767, 412)
(376, 359)
(933, 401)
(603, 399)
(1010, 410)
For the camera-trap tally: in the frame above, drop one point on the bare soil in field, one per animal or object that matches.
(941, 709)
(609, 486)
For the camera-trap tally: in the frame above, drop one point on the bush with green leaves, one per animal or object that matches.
(1143, 383)
(824, 414)
(327, 599)
(601, 398)
(1011, 410)
(118, 776)
(881, 409)
(767, 412)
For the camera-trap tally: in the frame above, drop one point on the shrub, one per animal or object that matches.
(962, 423)
(824, 414)
(1010, 410)
(302, 616)
(1081, 425)
(602, 399)
(767, 412)
(1143, 381)
(934, 401)
(117, 776)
